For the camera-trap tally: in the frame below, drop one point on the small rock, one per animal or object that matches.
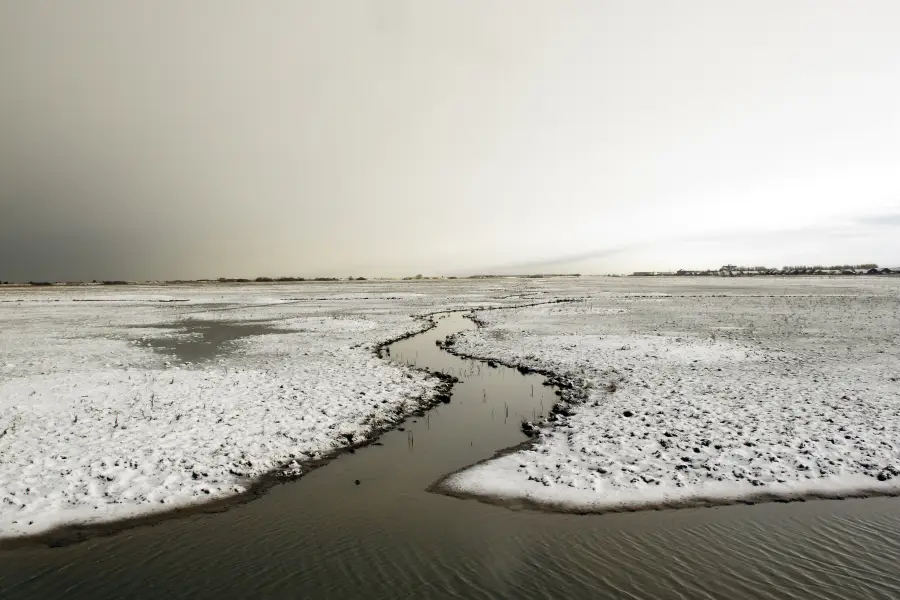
(888, 473)
(627, 413)
(356, 482)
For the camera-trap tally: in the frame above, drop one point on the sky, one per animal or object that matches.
(166, 139)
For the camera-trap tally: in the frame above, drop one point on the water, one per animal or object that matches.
(206, 339)
(326, 537)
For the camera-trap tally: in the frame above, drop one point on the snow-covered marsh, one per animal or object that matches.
(688, 390)
(102, 418)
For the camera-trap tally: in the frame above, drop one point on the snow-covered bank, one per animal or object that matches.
(101, 420)
(776, 390)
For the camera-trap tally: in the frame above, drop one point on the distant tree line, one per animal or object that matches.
(46, 283)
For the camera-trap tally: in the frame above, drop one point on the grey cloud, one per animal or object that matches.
(567, 260)
(71, 220)
(888, 219)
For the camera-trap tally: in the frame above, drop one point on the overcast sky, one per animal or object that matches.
(169, 139)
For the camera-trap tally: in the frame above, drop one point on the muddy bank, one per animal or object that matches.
(257, 487)
(445, 487)
(573, 391)
(287, 472)
(570, 389)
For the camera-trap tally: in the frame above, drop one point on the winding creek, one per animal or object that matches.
(325, 536)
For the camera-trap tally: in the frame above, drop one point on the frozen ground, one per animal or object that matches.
(102, 418)
(687, 390)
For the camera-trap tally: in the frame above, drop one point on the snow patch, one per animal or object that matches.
(690, 397)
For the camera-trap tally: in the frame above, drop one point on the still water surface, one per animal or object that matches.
(326, 537)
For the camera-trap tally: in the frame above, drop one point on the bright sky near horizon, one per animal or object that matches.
(165, 139)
